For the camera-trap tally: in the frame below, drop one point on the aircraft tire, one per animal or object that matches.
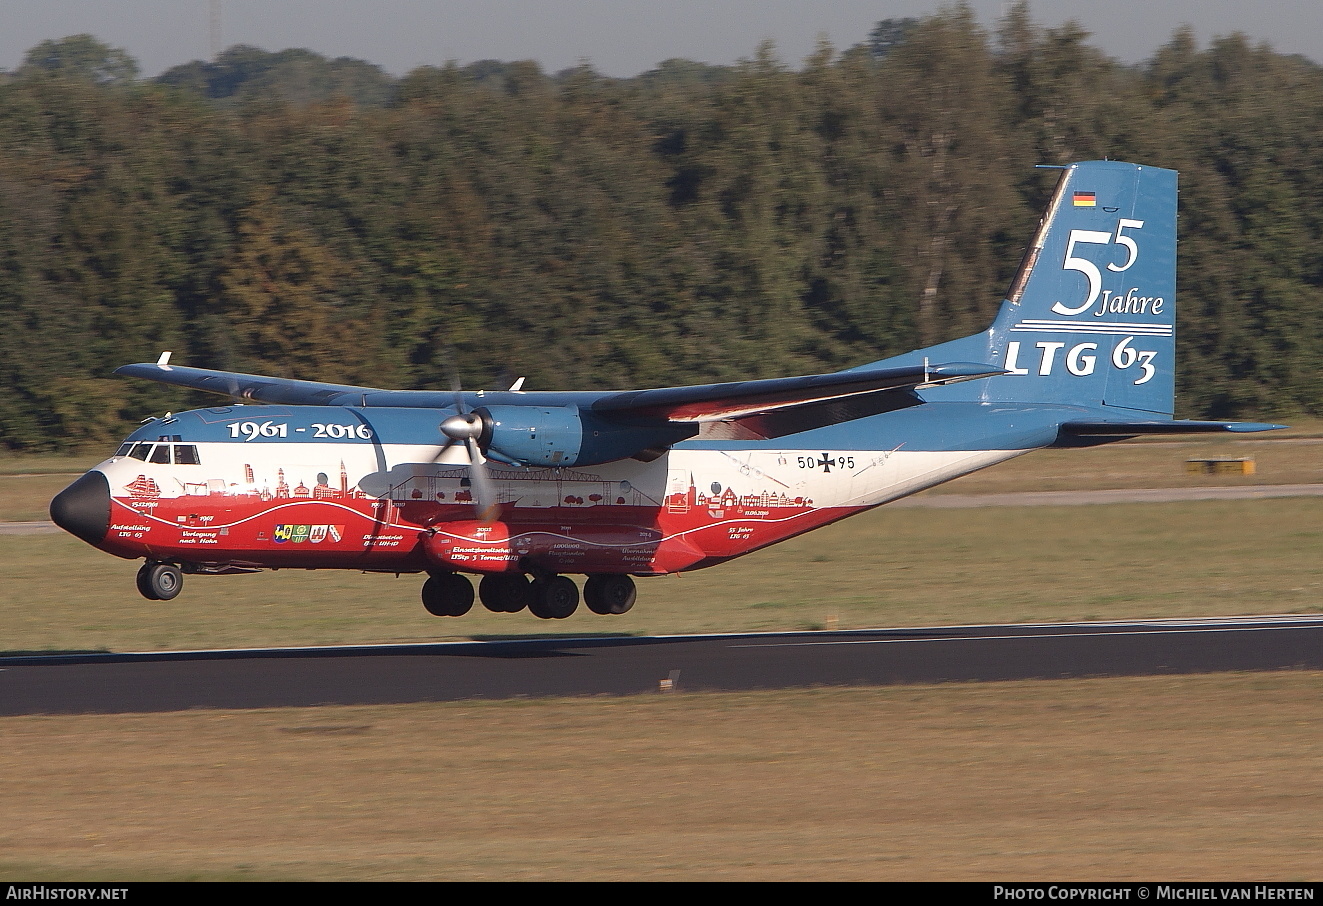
(609, 594)
(447, 595)
(535, 606)
(555, 598)
(505, 592)
(164, 581)
(144, 582)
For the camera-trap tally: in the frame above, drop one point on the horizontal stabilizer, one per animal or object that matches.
(1159, 426)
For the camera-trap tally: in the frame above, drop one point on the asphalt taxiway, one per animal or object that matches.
(92, 682)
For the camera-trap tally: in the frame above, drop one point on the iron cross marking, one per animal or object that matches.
(826, 463)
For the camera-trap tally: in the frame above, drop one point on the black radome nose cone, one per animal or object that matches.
(83, 508)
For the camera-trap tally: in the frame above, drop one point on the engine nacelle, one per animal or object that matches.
(533, 435)
(569, 436)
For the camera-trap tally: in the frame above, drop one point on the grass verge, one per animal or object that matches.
(1177, 778)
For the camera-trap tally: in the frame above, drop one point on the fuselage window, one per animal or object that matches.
(186, 455)
(161, 455)
(140, 451)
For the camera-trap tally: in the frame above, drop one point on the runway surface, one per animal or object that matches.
(77, 682)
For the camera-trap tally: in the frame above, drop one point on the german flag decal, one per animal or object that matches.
(1085, 200)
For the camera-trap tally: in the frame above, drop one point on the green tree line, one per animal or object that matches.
(290, 214)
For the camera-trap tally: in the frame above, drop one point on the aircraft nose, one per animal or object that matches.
(83, 508)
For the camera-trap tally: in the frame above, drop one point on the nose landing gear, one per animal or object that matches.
(160, 581)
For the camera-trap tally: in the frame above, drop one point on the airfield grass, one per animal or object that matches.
(1198, 778)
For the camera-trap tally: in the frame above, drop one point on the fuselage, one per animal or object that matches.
(352, 488)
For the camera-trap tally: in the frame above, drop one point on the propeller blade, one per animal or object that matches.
(236, 395)
(463, 430)
(452, 377)
(484, 492)
(454, 453)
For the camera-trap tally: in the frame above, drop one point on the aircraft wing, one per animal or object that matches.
(254, 387)
(698, 403)
(716, 402)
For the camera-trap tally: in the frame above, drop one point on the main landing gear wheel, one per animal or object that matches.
(555, 598)
(447, 595)
(505, 592)
(160, 581)
(609, 594)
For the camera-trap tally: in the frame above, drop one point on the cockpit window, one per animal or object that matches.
(186, 455)
(124, 449)
(140, 451)
(161, 455)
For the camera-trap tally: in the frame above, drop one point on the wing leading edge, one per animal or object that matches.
(697, 403)
(250, 387)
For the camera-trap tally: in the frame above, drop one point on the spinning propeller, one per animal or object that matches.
(465, 429)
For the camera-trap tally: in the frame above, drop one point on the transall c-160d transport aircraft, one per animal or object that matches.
(523, 488)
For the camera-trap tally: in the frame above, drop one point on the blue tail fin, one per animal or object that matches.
(1090, 319)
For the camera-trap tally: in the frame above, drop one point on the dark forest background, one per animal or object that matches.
(289, 214)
